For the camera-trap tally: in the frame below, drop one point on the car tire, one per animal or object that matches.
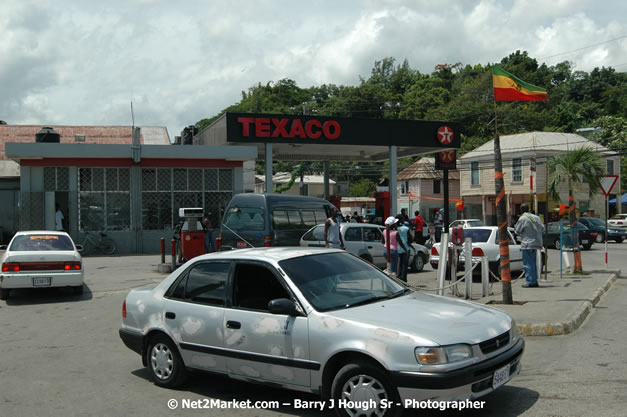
(619, 240)
(600, 238)
(78, 290)
(418, 264)
(557, 244)
(369, 382)
(4, 293)
(587, 247)
(164, 362)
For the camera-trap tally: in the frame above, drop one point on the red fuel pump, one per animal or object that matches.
(192, 233)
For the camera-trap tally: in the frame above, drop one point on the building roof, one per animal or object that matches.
(536, 142)
(119, 135)
(424, 168)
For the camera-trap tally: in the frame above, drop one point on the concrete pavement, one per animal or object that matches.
(558, 306)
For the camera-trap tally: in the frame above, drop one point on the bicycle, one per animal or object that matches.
(100, 242)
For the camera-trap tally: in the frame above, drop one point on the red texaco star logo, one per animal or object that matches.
(445, 135)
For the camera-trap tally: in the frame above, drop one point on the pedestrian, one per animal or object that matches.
(392, 240)
(332, 233)
(59, 218)
(419, 224)
(206, 225)
(403, 250)
(438, 223)
(404, 217)
(530, 229)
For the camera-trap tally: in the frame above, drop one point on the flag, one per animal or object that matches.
(508, 87)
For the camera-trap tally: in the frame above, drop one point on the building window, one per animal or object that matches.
(610, 167)
(165, 190)
(404, 187)
(436, 186)
(56, 178)
(517, 170)
(104, 199)
(474, 173)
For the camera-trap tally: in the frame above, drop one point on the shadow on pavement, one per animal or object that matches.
(30, 296)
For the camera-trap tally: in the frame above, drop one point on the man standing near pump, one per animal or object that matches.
(530, 229)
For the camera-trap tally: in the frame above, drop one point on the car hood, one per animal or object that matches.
(442, 320)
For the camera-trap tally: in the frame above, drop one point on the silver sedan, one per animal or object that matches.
(322, 321)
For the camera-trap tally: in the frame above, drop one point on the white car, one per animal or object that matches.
(365, 241)
(40, 259)
(620, 220)
(467, 223)
(485, 243)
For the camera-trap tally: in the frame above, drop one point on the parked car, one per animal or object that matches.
(619, 220)
(319, 320)
(365, 241)
(467, 223)
(614, 233)
(256, 220)
(484, 243)
(552, 237)
(41, 259)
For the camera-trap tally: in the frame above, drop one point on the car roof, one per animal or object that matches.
(273, 254)
(40, 232)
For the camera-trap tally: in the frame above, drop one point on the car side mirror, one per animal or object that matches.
(79, 248)
(283, 306)
(3, 247)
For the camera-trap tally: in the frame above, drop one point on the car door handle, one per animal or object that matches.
(233, 324)
(369, 247)
(170, 315)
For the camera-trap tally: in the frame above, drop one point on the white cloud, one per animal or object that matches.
(72, 62)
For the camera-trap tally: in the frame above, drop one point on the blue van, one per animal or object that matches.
(255, 220)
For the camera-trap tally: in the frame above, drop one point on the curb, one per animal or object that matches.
(575, 320)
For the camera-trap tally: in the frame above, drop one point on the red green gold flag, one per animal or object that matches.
(508, 87)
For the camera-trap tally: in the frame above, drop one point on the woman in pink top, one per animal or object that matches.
(391, 235)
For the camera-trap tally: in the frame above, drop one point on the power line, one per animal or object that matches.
(585, 47)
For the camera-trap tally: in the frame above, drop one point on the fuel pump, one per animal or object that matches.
(192, 234)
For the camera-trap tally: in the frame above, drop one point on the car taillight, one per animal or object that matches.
(266, 240)
(219, 242)
(10, 267)
(594, 234)
(477, 252)
(619, 222)
(434, 251)
(124, 309)
(72, 266)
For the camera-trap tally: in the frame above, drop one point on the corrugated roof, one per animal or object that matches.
(121, 135)
(537, 142)
(424, 168)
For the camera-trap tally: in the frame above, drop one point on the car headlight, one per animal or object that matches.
(442, 355)
(515, 333)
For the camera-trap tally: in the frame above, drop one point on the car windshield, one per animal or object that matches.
(246, 218)
(332, 281)
(27, 243)
(620, 217)
(315, 234)
(478, 235)
(474, 223)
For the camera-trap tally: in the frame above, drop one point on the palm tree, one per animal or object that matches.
(574, 168)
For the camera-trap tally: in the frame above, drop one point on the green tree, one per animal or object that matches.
(362, 188)
(574, 168)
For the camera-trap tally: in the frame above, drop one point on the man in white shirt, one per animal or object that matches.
(59, 219)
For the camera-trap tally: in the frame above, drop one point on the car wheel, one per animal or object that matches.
(4, 293)
(599, 239)
(164, 363)
(587, 247)
(418, 264)
(78, 290)
(619, 240)
(557, 244)
(365, 384)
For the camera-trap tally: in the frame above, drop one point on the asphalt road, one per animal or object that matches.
(61, 355)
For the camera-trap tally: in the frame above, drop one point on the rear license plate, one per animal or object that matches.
(241, 245)
(42, 281)
(501, 376)
(584, 241)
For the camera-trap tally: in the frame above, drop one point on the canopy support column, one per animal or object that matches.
(268, 155)
(392, 182)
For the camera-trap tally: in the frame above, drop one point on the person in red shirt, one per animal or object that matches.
(419, 223)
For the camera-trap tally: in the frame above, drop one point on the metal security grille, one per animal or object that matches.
(104, 199)
(56, 178)
(31, 211)
(165, 190)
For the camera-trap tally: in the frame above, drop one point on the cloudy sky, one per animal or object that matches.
(82, 62)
